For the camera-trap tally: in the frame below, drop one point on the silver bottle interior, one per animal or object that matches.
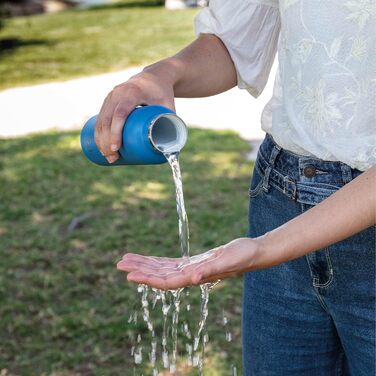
(168, 133)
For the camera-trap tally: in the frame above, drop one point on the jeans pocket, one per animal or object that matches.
(256, 183)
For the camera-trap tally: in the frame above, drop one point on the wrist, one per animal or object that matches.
(270, 251)
(248, 252)
(167, 70)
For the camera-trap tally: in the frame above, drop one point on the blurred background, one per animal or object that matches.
(64, 223)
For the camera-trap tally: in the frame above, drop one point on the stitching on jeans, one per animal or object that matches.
(258, 169)
(266, 185)
(340, 360)
(276, 186)
(286, 180)
(318, 296)
(321, 301)
(271, 182)
(252, 193)
(330, 280)
(315, 288)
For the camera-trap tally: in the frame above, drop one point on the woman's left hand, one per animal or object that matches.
(173, 273)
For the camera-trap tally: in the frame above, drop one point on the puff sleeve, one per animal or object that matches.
(250, 31)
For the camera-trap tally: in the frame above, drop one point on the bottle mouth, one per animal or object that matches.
(168, 133)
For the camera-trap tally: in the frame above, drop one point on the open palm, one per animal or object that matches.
(172, 273)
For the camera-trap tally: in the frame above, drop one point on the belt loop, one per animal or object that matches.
(273, 156)
(265, 184)
(294, 195)
(346, 173)
(290, 185)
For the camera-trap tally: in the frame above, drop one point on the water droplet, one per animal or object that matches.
(228, 336)
(195, 343)
(153, 353)
(189, 350)
(165, 359)
(138, 355)
(196, 360)
(234, 371)
(186, 330)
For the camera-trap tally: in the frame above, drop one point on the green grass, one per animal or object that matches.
(82, 42)
(63, 306)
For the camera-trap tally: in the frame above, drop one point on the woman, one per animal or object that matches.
(303, 313)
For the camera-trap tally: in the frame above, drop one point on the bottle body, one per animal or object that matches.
(148, 133)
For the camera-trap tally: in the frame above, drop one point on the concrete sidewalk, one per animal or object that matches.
(66, 105)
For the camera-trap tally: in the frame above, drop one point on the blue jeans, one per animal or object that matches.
(315, 315)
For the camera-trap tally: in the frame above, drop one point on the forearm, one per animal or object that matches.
(203, 68)
(346, 212)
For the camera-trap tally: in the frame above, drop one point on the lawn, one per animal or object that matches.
(82, 42)
(64, 308)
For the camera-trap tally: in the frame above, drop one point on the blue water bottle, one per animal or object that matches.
(148, 133)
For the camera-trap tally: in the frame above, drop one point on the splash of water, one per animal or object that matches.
(195, 355)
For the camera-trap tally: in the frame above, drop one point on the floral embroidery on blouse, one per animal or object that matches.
(324, 96)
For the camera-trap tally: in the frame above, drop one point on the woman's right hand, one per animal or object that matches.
(201, 69)
(147, 87)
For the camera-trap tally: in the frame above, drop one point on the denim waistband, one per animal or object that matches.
(306, 179)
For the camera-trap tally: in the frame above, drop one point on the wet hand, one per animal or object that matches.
(173, 273)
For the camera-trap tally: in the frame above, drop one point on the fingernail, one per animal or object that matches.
(114, 147)
(111, 158)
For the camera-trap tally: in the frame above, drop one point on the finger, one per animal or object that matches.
(119, 117)
(110, 155)
(103, 127)
(128, 97)
(148, 266)
(159, 259)
(164, 278)
(153, 260)
(171, 281)
(143, 267)
(168, 269)
(99, 124)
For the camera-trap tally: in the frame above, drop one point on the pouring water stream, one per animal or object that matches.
(195, 355)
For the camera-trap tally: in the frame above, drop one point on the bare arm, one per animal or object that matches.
(201, 69)
(343, 214)
(346, 212)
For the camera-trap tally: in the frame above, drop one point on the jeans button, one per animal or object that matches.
(309, 171)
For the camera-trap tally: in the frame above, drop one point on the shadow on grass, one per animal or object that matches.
(129, 4)
(8, 45)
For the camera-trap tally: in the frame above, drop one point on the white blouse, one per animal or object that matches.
(324, 97)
